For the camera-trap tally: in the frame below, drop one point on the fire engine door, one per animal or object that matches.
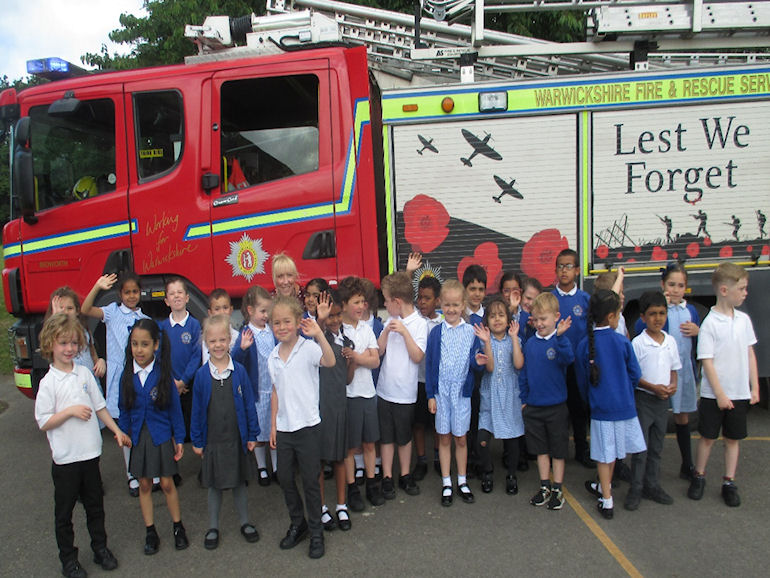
(81, 182)
(272, 137)
(166, 199)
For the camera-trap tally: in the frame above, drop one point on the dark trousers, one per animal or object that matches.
(510, 448)
(185, 401)
(301, 448)
(578, 413)
(473, 430)
(70, 481)
(653, 417)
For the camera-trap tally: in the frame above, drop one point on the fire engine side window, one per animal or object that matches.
(269, 129)
(159, 132)
(73, 156)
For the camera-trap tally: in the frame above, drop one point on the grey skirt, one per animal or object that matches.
(150, 461)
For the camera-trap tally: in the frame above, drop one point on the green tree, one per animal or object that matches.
(158, 38)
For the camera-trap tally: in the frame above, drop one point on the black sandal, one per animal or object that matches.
(344, 523)
(249, 532)
(211, 543)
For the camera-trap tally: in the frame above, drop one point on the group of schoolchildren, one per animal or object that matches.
(316, 376)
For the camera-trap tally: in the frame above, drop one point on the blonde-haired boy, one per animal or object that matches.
(730, 380)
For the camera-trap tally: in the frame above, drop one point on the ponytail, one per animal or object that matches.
(603, 302)
(594, 369)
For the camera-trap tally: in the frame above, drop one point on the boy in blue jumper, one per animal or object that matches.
(573, 303)
(543, 387)
(184, 335)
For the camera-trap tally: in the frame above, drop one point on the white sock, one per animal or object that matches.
(274, 459)
(341, 507)
(324, 509)
(156, 480)
(359, 459)
(446, 481)
(260, 452)
(461, 480)
(607, 502)
(126, 457)
(378, 461)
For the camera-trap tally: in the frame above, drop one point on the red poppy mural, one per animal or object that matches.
(425, 223)
(486, 255)
(538, 257)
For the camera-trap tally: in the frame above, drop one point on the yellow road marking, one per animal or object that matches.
(614, 551)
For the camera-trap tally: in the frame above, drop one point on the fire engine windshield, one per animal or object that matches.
(73, 155)
(269, 129)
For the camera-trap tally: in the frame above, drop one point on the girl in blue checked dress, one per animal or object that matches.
(453, 353)
(607, 372)
(252, 349)
(500, 409)
(118, 319)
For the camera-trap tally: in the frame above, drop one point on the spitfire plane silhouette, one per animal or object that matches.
(507, 189)
(480, 146)
(427, 143)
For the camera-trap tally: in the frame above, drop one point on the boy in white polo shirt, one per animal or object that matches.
(402, 343)
(360, 348)
(730, 381)
(658, 358)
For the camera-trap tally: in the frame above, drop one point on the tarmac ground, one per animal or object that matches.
(497, 535)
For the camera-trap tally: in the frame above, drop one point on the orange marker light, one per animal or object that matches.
(447, 105)
(409, 108)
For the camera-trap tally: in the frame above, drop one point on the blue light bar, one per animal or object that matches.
(53, 68)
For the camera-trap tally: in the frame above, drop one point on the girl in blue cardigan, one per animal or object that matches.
(151, 414)
(224, 428)
(607, 372)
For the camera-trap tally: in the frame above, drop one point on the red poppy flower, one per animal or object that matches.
(766, 250)
(726, 251)
(749, 248)
(487, 256)
(693, 249)
(602, 251)
(538, 257)
(658, 254)
(425, 223)
(707, 241)
(637, 249)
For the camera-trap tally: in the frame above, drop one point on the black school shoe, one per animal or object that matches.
(420, 471)
(328, 521)
(343, 520)
(511, 485)
(486, 482)
(407, 484)
(446, 496)
(317, 549)
(294, 536)
(697, 485)
(73, 569)
(180, 538)
(151, 543)
(606, 513)
(355, 501)
(730, 495)
(249, 533)
(263, 478)
(211, 539)
(388, 490)
(105, 559)
(374, 492)
(464, 491)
